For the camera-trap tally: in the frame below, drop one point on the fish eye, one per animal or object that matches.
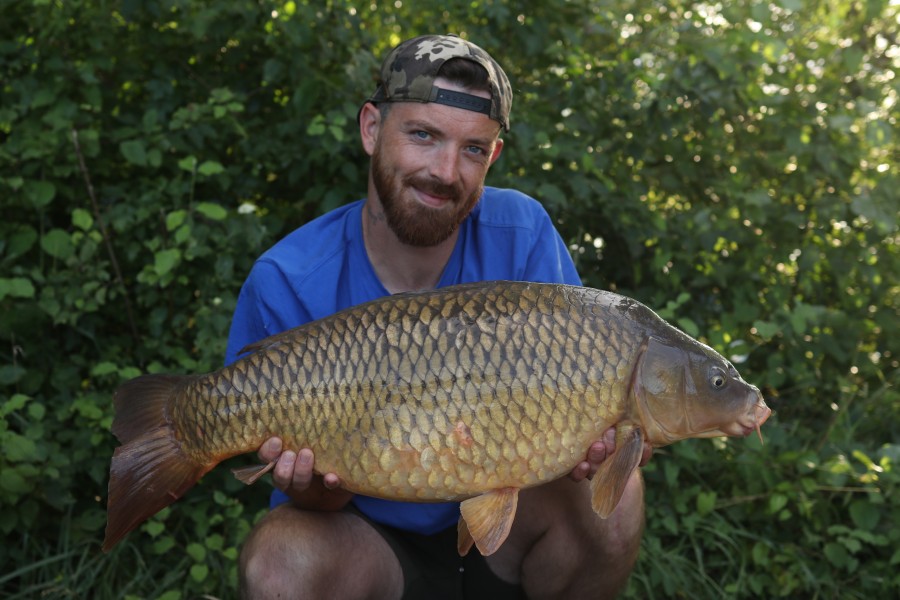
(717, 378)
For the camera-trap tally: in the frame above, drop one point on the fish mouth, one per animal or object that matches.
(760, 414)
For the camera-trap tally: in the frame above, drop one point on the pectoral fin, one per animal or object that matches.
(488, 519)
(608, 485)
(251, 474)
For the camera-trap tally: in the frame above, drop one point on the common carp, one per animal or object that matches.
(466, 393)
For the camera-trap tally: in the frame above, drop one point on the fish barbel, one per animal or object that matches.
(466, 393)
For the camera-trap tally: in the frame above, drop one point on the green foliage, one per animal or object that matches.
(731, 165)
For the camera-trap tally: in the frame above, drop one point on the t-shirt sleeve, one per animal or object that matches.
(266, 305)
(549, 260)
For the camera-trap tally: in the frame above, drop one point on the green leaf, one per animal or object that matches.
(57, 243)
(706, 502)
(16, 402)
(36, 411)
(766, 330)
(212, 211)
(44, 97)
(16, 287)
(126, 373)
(153, 528)
(11, 481)
(196, 551)
(188, 163)
(865, 515)
(760, 554)
(182, 234)
(777, 502)
(15, 182)
(210, 167)
(21, 242)
(166, 260)
(837, 554)
(104, 368)
(688, 326)
(40, 193)
(82, 219)
(18, 448)
(316, 126)
(134, 152)
(199, 572)
(551, 194)
(175, 218)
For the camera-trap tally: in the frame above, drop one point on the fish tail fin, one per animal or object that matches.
(149, 470)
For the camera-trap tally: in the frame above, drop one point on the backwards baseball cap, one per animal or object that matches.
(409, 71)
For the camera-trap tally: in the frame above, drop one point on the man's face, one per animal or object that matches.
(428, 167)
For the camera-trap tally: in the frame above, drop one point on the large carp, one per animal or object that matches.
(468, 393)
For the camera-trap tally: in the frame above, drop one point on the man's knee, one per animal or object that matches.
(560, 547)
(271, 558)
(326, 555)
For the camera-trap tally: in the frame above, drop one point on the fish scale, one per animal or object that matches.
(464, 393)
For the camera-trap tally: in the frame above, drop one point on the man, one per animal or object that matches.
(432, 131)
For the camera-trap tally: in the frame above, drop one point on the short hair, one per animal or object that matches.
(466, 74)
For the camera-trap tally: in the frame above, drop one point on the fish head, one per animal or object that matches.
(684, 389)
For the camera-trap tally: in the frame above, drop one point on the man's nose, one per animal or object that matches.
(445, 165)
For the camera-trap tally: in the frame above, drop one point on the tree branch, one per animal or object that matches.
(106, 237)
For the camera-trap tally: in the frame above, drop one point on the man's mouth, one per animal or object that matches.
(431, 199)
(434, 194)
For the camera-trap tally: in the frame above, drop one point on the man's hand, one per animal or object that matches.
(600, 451)
(293, 474)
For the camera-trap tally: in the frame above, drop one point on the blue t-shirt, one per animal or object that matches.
(322, 267)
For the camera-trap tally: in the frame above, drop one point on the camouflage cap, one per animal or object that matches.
(409, 71)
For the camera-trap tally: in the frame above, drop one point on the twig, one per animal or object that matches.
(106, 238)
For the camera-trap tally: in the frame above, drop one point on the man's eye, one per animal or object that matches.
(477, 150)
(422, 135)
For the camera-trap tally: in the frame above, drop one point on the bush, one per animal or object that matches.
(729, 166)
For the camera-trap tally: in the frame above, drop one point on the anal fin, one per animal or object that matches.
(251, 474)
(464, 540)
(488, 519)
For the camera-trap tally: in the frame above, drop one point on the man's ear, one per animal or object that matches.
(369, 124)
(498, 148)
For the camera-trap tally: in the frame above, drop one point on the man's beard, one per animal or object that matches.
(413, 223)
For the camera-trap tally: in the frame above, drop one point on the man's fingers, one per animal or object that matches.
(580, 471)
(302, 473)
(270, 450)
(597, 453)
(283, 474)
(331, 481)
(609, 439)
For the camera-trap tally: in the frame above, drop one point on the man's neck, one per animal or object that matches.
(400, 267)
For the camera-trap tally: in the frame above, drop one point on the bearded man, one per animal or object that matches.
(432, 129)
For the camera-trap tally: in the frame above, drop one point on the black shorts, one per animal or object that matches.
(434, 570)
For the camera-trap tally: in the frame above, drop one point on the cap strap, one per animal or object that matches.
(463, 100)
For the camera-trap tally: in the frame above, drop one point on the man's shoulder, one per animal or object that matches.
(314, 245)
(509, 207)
